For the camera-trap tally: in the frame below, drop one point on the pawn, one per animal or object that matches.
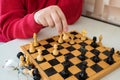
(27, 61)
(110, 59)
(19, 54)
(60, 40)
(35, 40)
(30, 72)
(25, 71)
(100, 40)
(96, 58)
(83, 52)
(66, 64)
(22, 62)
(31, 48)
(94, 44)
(36, 75)
(55, 51)
(72, 39)
(83, 37)
(39, 57)
(65, 36)
(83, 75)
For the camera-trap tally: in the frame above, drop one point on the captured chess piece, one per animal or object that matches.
(94, 44)
(55, 51)
(30, 72)
(27, 61)
(83, 75)
(35, 43)
(83, 52)
(72, 39)
(83, 37)
(40, 57)
(25, 71)
(100, 40)
(19, 54)
(31, 48)
(65, 36)
(36, 75)
(110, 59)
(22, 61)
(60, 40)
(65, 73)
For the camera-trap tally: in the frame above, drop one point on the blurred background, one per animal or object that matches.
(105, 10)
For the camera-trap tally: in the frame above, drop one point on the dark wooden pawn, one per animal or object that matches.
(96, 57)
(110, 59)
(83, 75)
(94, 44)
(83, 52)
(36, 75)
(65, 73)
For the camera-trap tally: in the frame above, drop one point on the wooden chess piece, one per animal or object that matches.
(60, 40)
(35, 40)
(94, 44)
(31, 48)
(110, 60)
(27, 61)
(30, 72)
(72, 39)
(65, 36)
(83, 53)
(22, 62)
(40, 57)
(36, 75)
(83, 74)
(55, 51)
(100, 40)
(25, 71)
(66, 64)
(83, 37)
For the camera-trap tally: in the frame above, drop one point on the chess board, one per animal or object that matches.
(50, 68)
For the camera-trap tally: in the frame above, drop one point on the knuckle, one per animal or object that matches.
(53, 7)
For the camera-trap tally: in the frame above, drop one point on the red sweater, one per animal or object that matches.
(16, 16)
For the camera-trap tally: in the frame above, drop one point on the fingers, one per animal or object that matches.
(52, 16)
(50, 21)
(57, 21)
(43, 21)
(63, 19)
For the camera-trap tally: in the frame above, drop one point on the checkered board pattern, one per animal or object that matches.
(50, 68)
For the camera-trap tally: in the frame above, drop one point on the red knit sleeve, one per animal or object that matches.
(72, 9)
(15, 22)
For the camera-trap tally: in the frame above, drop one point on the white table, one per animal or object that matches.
(111, 38)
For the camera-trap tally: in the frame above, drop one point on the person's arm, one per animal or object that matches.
(14, 23)
(72, 9)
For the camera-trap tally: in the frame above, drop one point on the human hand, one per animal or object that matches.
(52, 16)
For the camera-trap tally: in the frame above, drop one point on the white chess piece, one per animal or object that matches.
(65, 36)
(60, 40)
(35, 43)
(55, 51)
(83, 37)
(100, 40)
(31, 48)
(72, 39)
(40, 57)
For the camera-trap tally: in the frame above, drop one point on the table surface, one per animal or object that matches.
(111, 38)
